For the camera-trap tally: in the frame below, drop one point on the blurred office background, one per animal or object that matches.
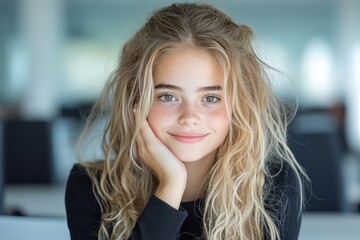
(55, 56)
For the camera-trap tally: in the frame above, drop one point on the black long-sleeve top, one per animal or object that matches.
(160, 221)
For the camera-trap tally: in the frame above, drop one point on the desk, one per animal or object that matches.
(19, 228)
(36, 200)
(314, 227)
(48, 201)
(330, 226)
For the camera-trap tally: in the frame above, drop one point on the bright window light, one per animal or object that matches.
(317, 86)
(354, 97)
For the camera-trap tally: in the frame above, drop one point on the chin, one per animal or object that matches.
(189, 156)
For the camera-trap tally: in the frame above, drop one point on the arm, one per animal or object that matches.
(158, 220)
(169, 170)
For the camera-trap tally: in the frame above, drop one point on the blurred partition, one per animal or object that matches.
(27, 152)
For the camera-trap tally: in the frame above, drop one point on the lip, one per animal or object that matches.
(189, 137)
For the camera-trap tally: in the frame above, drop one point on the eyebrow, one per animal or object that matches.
(201, 89)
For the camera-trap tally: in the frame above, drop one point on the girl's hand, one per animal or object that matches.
(170, 171)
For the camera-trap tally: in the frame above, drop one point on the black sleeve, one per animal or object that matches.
(157, 221)
(284, 203)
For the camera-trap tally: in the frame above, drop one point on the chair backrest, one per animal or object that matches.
(27, 152)
(315, 141)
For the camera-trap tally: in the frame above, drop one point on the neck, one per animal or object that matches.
(196, 175)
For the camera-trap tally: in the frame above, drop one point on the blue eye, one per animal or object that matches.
(211, 99)
(167, 98)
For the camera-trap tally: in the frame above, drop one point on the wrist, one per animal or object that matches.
(171, 191)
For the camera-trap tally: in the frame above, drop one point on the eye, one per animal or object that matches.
(167, 98)
(211, 99)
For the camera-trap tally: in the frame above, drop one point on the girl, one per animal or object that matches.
(194, 143)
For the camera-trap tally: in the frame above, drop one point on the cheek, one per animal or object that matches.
(219, 121)
(158, 119)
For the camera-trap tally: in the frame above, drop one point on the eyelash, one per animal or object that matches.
(216, 99)
(163, 96)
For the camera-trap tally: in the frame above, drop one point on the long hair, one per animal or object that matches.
(236, 185)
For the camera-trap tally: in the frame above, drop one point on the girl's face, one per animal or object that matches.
(188, 114)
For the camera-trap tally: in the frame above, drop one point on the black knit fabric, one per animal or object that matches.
(159, 221)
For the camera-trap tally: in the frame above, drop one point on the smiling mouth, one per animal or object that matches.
(189, 138)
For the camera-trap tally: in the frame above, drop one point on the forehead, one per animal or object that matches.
(188, 66)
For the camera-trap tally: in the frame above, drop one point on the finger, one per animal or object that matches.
(147, 133)
(138, 137)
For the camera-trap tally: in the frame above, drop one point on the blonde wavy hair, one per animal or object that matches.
(236, 185)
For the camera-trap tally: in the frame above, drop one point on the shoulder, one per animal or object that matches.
(78, 171)
(284, 176)
(83, 211)
(78, 180)
(283, 199)
(283, 185)
(79, 187)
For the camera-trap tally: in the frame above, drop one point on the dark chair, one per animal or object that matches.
(27, 152)
(316, 143)
(1, 171)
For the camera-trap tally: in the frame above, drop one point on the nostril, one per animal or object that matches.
(189, 119)
(189, 114)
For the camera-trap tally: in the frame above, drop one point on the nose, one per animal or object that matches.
(189, 115)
